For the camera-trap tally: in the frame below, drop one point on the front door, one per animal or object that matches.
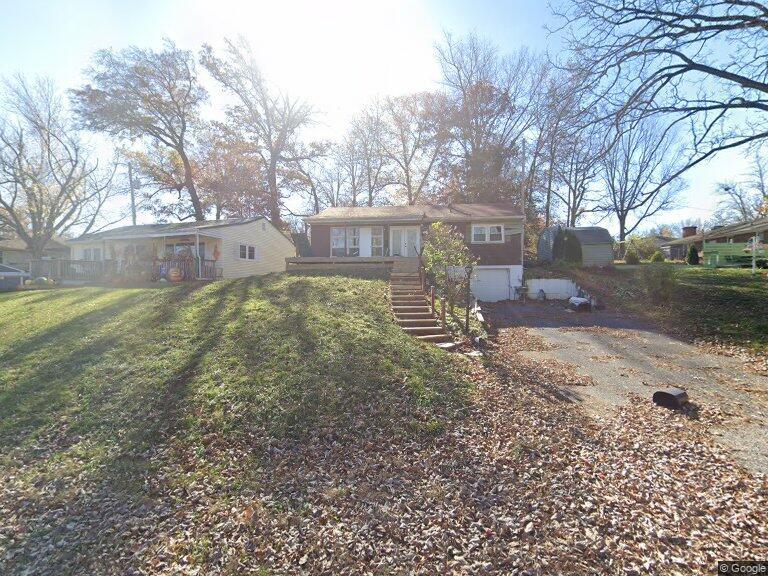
(405, 241)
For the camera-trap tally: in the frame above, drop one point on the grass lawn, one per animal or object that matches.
(723, 304)
(105, 391)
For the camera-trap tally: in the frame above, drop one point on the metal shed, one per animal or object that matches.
(586, 245)
(11, 278)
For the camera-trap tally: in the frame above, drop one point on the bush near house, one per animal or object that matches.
(446, 256)
(631, 256)
(658, 256)
(692, 257)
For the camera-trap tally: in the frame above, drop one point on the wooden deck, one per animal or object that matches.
(341, 263)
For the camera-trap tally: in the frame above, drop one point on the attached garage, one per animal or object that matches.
(495, 283)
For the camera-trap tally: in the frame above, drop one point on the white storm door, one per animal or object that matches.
(365, 242)
(397, 241)
(412, 243)
(405, 241)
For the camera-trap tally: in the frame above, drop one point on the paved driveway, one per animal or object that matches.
(623, 356)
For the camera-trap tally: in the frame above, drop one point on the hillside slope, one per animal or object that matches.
(104, 391)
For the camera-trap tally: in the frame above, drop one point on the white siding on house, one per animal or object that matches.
(272, 248)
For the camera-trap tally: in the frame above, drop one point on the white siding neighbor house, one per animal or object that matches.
(232, 248)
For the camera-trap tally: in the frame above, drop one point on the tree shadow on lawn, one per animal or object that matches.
(338, 364)
(126, 418)
(260, 361)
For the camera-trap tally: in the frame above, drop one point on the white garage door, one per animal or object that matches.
(491, 285)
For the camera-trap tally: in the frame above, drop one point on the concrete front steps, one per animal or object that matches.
(412, 308)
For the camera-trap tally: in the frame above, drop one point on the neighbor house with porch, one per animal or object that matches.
(208, 250)
(373, 237)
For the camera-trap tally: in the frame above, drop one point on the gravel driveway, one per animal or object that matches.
(622, 356)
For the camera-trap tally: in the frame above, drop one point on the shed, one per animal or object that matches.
(586, 245)
(11, 278)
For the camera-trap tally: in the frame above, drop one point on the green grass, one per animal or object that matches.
(95, 381)
(726, 304)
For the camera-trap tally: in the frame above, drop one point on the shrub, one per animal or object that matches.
(445, 257)
(693, 255)
(658, 256)
(643, 246)
(631, 256)
(658, 282)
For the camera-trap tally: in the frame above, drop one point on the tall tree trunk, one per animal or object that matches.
(189, 184)
(274, 195)
(622, 235)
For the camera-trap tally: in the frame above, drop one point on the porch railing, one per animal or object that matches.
(79, 270)
(188, 269)
(99, 270)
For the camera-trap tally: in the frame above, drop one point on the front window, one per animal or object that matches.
(97, 253)
(353, 241)
(87, 254)
(487, 234)
(377, 241)
(338, 243)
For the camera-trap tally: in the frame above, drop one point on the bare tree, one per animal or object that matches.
(744, 200)
(493, 103)
(49, 185)
(154, 96)
(412, 139)
(270, 120)
(366, 134)
(635, 170)
(686, 62)
(576, 171)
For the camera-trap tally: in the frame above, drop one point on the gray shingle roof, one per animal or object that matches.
(176, 228)
(418, 212)
(590, 234)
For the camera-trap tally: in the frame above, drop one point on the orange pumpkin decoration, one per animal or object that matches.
(175, 275)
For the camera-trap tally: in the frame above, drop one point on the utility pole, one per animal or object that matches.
(133, 193)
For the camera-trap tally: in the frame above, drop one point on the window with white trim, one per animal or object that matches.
(248, 252)
(377, 241)
(487, 233)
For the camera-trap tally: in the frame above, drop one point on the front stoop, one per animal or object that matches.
(411, 307)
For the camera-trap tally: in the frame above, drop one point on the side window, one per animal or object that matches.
(243, 251)
(251, 253)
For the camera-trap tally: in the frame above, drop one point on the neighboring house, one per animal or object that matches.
(11, 278)
(232, 248)
(725, 246)
(586, 245)
(14, 252)
(374, 236)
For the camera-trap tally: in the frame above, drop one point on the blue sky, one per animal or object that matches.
(336, 55)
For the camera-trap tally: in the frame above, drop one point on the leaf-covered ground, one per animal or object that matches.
(286, 425)
(724, 307)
